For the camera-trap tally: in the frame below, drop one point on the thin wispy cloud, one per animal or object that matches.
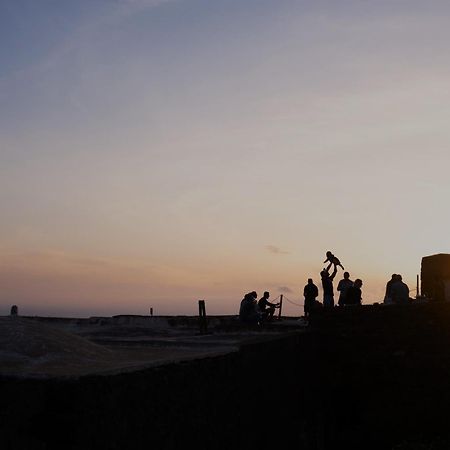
(285, 289)
(81, 37)
(276, 250)
(126, 7)
(143, 2)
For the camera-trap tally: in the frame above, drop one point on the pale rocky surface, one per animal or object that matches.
(30, 348)
(41, 347)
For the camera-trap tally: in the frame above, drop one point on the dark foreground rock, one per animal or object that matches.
(372, 377)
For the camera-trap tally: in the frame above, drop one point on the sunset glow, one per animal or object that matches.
(154, 153)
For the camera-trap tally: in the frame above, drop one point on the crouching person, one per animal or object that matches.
(248, 312)
(266, 308)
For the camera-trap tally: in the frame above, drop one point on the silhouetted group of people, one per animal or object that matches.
(349, 291)
(253, 311)
(256, 312)
(397, 292)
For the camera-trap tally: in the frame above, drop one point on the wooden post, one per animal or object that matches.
(281, 305)
(151, 312)
(202, 317)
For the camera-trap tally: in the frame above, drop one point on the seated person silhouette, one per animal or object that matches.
(267, 308)
(248, 311)
(333, 260)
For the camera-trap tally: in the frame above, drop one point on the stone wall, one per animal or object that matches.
(209, 403)
(371, 377)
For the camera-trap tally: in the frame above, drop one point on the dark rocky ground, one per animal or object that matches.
(382, 374)
(371, 377)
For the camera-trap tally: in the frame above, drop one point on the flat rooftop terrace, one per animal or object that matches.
(374, 376)
(71, 347)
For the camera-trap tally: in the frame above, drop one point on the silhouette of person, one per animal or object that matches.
(354, 293)
(327, 285)
(14, 310)
(399, 291)
(333, 260)
(310, 292)
(387, 295)
(266, 308)
(342, 287)
(248, 311)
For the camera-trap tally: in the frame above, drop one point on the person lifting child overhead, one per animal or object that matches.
(333, 260)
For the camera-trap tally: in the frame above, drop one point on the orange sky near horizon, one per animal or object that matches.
(158, 152)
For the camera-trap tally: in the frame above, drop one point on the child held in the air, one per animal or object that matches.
(333, 260)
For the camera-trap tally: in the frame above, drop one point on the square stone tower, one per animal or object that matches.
(435, 277)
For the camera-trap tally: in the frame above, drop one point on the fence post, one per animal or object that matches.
(203, 326)
(281, 305)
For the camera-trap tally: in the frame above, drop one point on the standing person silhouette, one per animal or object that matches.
(342, 287)
(387, 295)
(327, 285)
(399, 291)
(310, 292)
(354, 293)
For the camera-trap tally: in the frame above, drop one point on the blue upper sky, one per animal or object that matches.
(161, 150)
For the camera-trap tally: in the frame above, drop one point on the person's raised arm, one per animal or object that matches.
(334, 273)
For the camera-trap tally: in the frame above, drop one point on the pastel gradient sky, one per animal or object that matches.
(154, 153)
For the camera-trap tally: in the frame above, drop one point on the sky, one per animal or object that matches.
(158, 152)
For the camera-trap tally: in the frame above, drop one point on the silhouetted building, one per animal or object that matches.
(435, 277)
